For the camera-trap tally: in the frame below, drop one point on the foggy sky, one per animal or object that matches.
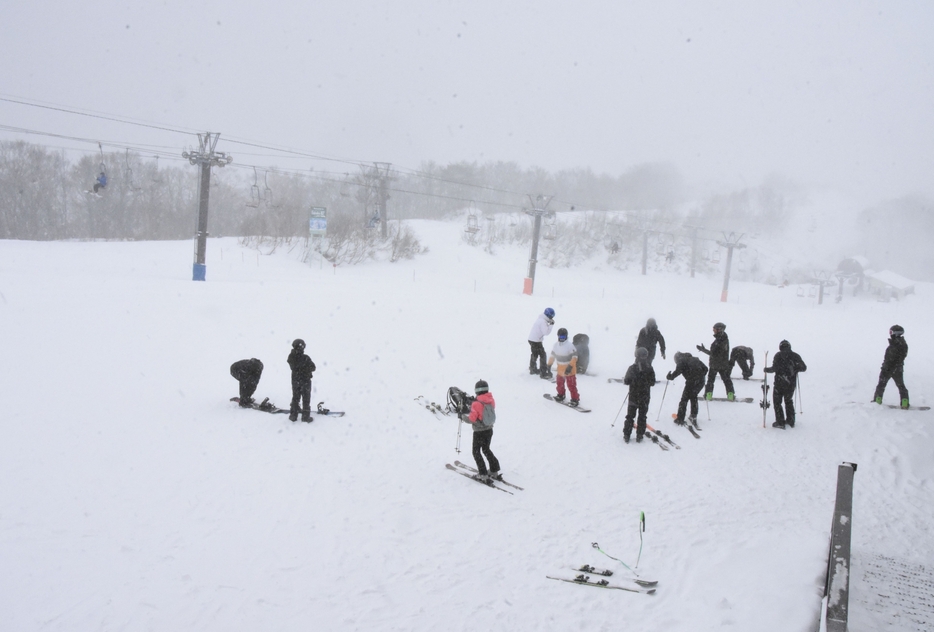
(830, 93)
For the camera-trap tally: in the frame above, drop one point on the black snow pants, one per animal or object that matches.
(897, 375)
(724, 374)
(538, 362)
(642, 408)
(301, 391)
(784, 402)
(692, 389)
(481, 445)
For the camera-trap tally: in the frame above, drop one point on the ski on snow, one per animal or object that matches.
(736, 400)
(577, 408)
(662, 435)
(587, 568)
(691, 426)
(584, 580)
(474, 478)
(474, 470)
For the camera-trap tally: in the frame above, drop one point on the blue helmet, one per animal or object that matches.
(562, 334)
(550, 313)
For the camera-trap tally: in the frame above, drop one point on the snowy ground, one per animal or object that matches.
(137, 497)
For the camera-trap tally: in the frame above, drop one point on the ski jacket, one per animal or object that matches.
(249, 370)
(482, 412)
(301, 365)
(786, 365)
(565, 354)
(719, 351)
(690, 367)
(648, 338)
(641, 379)
(740, 351)
(895, 354)
(541, 328)
(102, 180)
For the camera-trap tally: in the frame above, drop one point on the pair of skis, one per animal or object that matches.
(471, 472)
(660, 439)
(584, 579)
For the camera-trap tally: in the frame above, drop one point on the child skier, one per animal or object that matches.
(540, 329)
(719, 353)
(785, 365)
(565, 355)
(482, 416)
(648, 337)
(893, 366)
(247, 372)
(302, 371)
(694, 372)
(640, 378)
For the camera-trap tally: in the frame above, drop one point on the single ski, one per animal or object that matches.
(662, 435)
(736, 400)
(692, 431)
(587, 568)
(619, 380)
(475, 479)
(577, 408)
(764, 403)
(474, 470)
(655, 440)
(585, 580)
(690, 425)
(265, 406)
(330, 413)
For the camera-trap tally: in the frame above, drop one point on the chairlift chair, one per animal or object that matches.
(715, 256)
(812, 291)
(267, 192)
(473, 226)
(550, 227)
(131, 183)
(254, 192)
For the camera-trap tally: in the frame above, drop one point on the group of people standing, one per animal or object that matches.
(248, 373)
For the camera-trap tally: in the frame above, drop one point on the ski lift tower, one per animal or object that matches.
(206, 157)
(730, 242)
(538, 210)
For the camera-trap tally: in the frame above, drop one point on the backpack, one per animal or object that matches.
(458, 401)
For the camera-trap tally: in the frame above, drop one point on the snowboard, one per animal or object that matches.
(565, 403)
(738, 400)
(327, 411)
(264, 406)
(619, 380)
(897, 407)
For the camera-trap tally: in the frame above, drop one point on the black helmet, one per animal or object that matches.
(719, 326)
(679, 356)
(481, 387)
(897, 331)
(642, 353)
(562, 334)
(784, 345)
(650, 324)
(299, 344)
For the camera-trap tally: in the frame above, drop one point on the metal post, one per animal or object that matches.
(837, 587)
(729, 243)
(206, 158)
(538, 210)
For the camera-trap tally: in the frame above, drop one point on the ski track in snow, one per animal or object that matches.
(138, 497)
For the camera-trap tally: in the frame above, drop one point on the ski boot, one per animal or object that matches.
(293, 416)
(905, 403)
(877, 400)
(483, 478)
(246, 402)
(496, 476)
(778, 425)
(638, 438)
(626, 438)
(730, 397)
(708, 395)
(680, 422)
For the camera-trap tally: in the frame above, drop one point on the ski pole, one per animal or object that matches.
(597, 546)
(612, 425)
(457, 446)
(707, 404)
(800, 399)
(641, 531)
(663, 401)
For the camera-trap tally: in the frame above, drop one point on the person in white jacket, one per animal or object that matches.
(538, 363)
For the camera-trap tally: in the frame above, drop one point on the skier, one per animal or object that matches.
(482, 416)
(648, 336)
(540, 329)
(101, 182)
(640, 377)
(893, 365)
(302, 371)
(582, 344)
(247, 372)
(694, 372)
(785, 365)
(744, 357)
(565, 355)
(719, 353)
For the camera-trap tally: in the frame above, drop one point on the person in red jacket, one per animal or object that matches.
(482, 416)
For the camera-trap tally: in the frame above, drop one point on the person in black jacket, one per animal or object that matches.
(744, 357)
(785, 365)
(893, 366)
(719, 353)
(648, 337)
(247, 372)
(302, 371)
(694, 372)
(640, 378)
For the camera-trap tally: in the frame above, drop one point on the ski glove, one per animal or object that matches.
(567, 370)
(670, 377)
(701, 347)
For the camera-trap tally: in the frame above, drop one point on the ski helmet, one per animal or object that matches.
(650, 324)
(719, 327)
(299, 344)
(784, 345)
(562, 334)
(550, 313)
(679, 356)
(897, 331)
(481, 387)
(642, 353)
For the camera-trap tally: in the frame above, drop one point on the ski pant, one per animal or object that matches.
(538, 362)
(642, 408)
(724, 374)
(301, 390)
(784, 402)
(744, 366)
(571, 381)
(692, 389)
(898, 376)
(481, 445)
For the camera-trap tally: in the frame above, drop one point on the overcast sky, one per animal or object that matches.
(830, 93)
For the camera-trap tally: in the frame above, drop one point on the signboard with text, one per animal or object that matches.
(318, 222)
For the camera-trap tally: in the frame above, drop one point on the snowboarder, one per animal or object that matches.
(541, 328)
(648, 337)
(582, 344)
(565, 355)
(893, 366)
(247, 372)
(744, 357)
(785, 365)
(302, 370)
(101, 182)
(719, 353)
(482, 416)
(694, 372)
(640, 377)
